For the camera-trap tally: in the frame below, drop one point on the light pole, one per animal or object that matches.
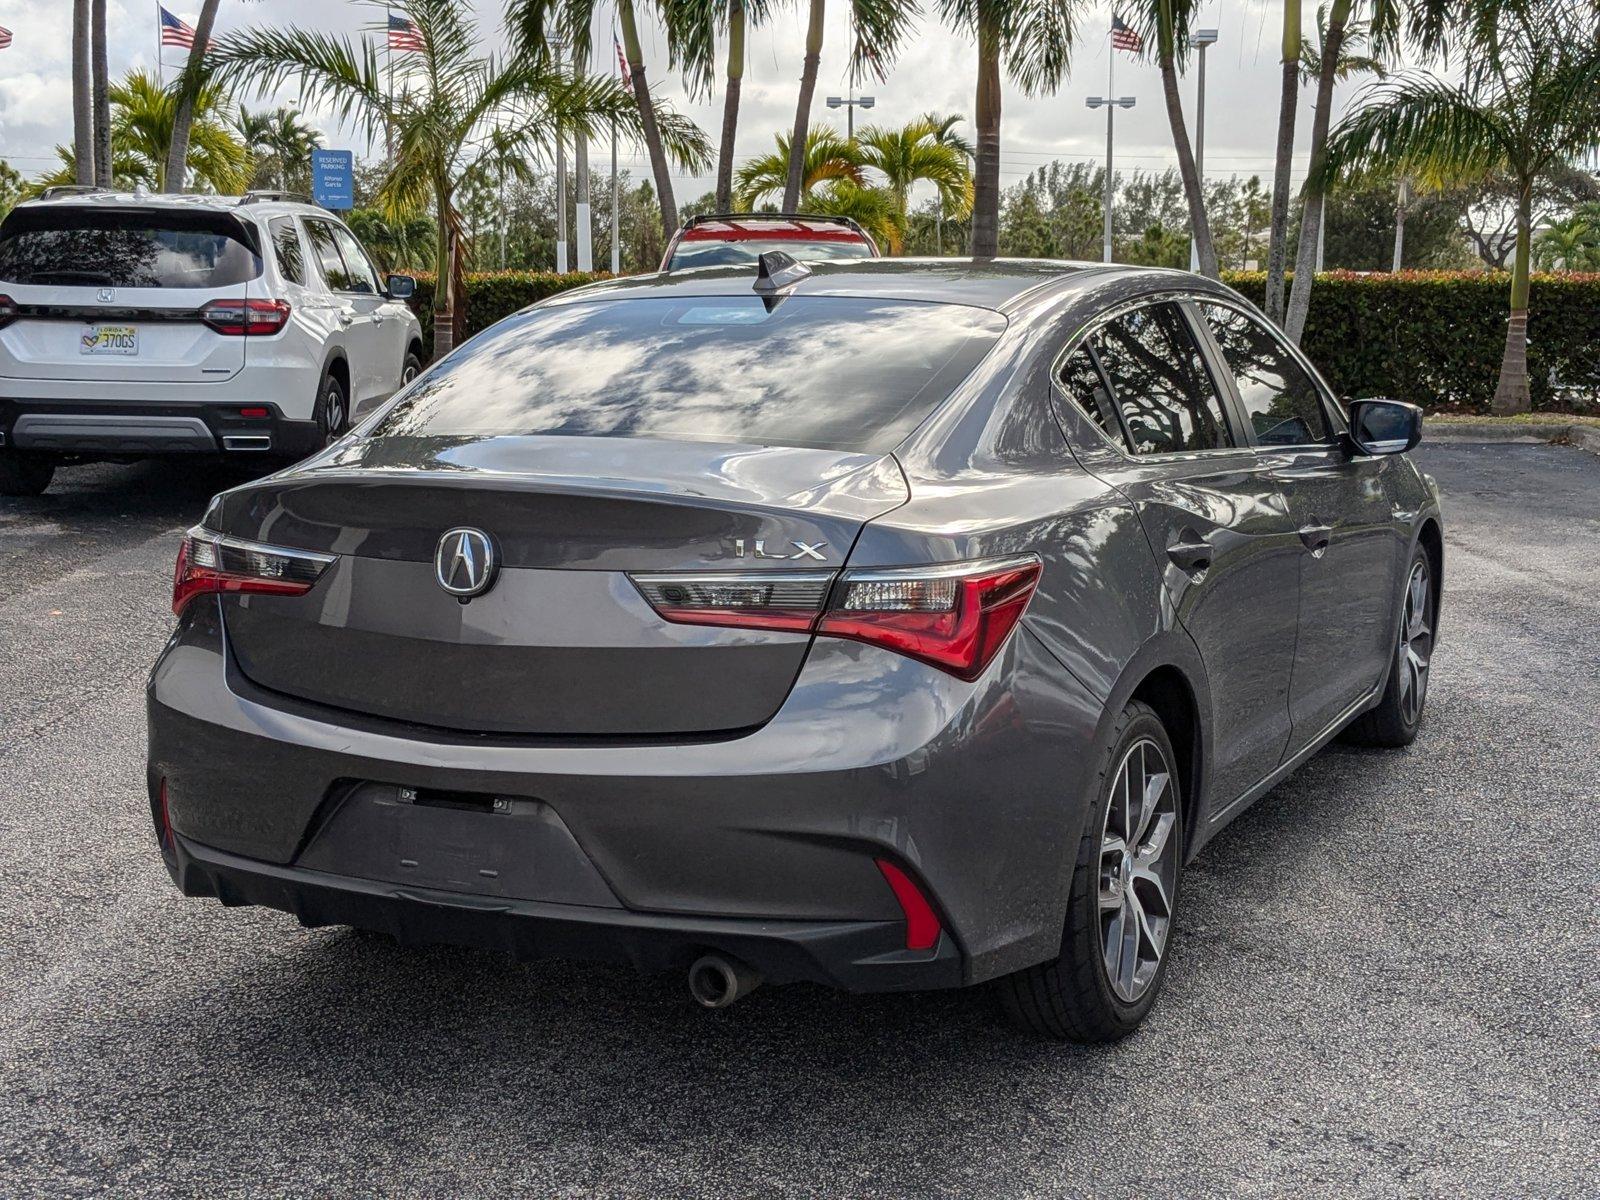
(580, 153)
(850, 104)
(1200, 39)
(1111, 104)
(557, 48)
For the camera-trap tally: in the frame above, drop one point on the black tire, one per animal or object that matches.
(1073, 998)
(411, 369)
(1398, 716)
(333, 408)
(25, 474)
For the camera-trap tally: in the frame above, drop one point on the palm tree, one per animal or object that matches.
(82, 93)
(921, 151)
(189, 86)
(142, 117)
(1034, 38)
(877, 27)
(101, 100)
(280, 145)
(668, 138)
(872, 208)
(457, 117)
(1572, 244)
(828, 159)
(1527, 106)
(740, 13)
(1288, 97)
(1168, 21)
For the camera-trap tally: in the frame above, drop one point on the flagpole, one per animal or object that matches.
(1111, 108)
(616, 207)
(161, 78)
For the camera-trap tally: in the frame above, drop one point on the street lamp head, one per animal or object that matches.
(835, 102)
(1127, 101)
(1202, 37)
(867, 101)
(1094, 101)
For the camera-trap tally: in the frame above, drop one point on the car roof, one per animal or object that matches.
(780, 228)
(258, 204)
(1002, 284)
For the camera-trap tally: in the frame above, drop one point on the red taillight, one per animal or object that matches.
(955, 616)
(255, 414)
(8, 310)
(210, 563)
(165, 817)
(246, 318)
(922, 923)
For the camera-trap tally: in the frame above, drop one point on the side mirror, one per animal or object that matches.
(400, 287)
(1385, 426)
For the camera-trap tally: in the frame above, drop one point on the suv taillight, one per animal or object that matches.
(246, 318)
(8, 311)
(954, 616)
(209, 562)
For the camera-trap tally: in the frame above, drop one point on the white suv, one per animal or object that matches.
(138, 325)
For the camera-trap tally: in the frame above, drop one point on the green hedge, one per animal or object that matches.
(492, 295)
(1435, 337)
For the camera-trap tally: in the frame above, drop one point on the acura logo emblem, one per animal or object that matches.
(105, 295)
(464, 562)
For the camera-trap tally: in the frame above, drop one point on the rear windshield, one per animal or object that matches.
(723, 254)
(824, 372)
(90, 247)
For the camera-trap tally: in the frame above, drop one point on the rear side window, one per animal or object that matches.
(1167, 398)
(839, 373)
(286, 246)
(89, 247)
(326, 250)
(1280, 400)
(356, 264)
(1082, 381)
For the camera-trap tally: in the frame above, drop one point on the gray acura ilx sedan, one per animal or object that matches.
(887, 624)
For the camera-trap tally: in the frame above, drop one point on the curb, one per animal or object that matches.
(1586, 437)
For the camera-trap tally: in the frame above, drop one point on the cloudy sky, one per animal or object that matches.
(935, 72)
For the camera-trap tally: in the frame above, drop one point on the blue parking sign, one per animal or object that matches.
(333, 178)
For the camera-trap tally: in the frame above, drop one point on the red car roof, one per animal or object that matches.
(794, 229)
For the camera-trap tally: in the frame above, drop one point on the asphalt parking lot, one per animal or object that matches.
(1384, 980)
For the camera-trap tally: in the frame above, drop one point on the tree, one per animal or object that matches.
(457, 116)
(12, 187)
(101, 98)
(738, 15)
(828, 158)
(1526, 105)
(82, 93)
(1283, 159)
(189, 85)
(1169, 21)
(1360, 229)
(667, 137)
(1572, 244)
(1034, 39)
(878, 26)
(919, 152)
(143, 114)
(280, 146)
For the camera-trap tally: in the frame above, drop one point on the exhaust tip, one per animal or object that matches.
(716, 982)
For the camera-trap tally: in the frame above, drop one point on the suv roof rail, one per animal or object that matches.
(71, 189)
(262, 195)
(704, 218)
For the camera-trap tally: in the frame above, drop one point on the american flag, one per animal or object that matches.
(622, 65)
(1123, 37)
(5, 37)
(403, 35)
(174, 32)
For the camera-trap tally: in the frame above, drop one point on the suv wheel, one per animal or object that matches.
(412, 368)
(1123, 898)
(1398, 716)
(25, 475)
(333, 408)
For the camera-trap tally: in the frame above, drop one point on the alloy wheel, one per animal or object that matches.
(1138, 869)
(1416, 644)
(333, 411)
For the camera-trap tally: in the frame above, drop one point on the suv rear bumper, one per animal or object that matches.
(101, 429)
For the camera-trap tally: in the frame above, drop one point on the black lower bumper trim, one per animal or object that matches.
(859, 956)
(93, 429)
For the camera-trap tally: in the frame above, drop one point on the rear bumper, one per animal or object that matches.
(93, 428)
(761, 844)
(862, 956)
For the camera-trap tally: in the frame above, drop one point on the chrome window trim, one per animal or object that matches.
(940, 570)
(201, 533)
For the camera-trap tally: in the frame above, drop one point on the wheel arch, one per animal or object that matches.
(1431, 538)
(337, 365)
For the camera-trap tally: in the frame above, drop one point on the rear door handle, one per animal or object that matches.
(1316, 538)
(1192, 553)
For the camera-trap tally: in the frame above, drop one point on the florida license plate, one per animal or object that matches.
(109, 339)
